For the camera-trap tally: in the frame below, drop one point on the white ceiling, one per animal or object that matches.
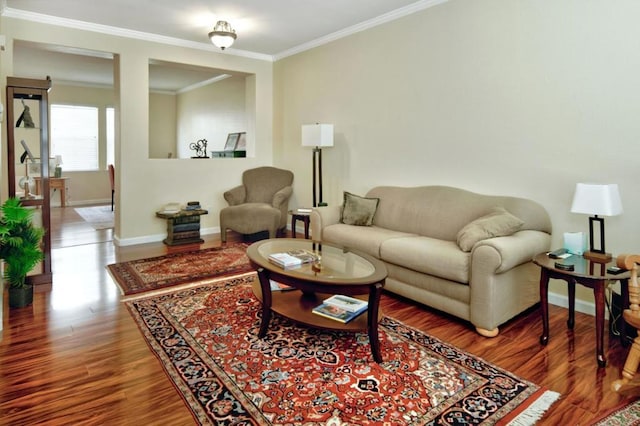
(266, 29)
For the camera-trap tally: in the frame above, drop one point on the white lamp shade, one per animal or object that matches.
(597, 199)
(317, 135)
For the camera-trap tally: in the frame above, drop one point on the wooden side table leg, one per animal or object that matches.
(572, 303)
(265, 287)
(372, 319)
(598, 293)
(307, 220)
(544, 305)
(293, 226)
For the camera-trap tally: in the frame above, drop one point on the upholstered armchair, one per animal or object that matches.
(259, 204)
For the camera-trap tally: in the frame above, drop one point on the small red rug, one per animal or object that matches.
(206, 339)
(144, 275)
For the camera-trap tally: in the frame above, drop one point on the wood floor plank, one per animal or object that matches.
(77, 357)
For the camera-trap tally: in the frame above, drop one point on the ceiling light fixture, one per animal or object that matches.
(222, 35)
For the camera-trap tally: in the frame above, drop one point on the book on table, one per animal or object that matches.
(347, 303)
(276, 286)
(336, 313)
(292, 258)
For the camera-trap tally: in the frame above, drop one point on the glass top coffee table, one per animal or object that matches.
(343, 271)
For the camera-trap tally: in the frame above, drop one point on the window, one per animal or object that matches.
(111, 137)
(74, 136)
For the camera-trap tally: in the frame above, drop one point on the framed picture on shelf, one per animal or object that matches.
(232, 141)
(242, 142)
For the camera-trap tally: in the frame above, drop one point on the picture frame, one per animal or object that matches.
(232, 141)
(242, 142)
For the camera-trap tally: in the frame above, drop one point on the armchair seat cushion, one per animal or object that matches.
(250, 218)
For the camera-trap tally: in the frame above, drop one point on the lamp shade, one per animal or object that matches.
(597, 199)
(222, 35)
(317, 135)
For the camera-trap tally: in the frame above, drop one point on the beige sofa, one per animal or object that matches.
(417, 231)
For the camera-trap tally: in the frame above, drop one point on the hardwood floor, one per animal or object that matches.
(76, 357)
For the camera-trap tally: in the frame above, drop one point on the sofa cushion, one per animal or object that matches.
(367, 239)
(498, 223)
(440, 258)
(358, 210)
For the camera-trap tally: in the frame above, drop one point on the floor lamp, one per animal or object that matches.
(318, 136)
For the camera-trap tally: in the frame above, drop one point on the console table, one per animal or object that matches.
(183, 227)
(55, 183)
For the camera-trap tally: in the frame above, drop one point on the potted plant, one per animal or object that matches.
(20, 250)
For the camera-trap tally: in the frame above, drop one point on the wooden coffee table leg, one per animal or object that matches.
(265, 286)
(372, 326)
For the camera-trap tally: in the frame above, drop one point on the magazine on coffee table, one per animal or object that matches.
(335, 313)
(276, 286)
(347, 303)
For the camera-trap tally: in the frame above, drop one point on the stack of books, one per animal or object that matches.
(193, 205)
(292, 258)
(341, 308)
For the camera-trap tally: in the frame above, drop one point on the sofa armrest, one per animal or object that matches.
(509, 252)
(236, 195)
(281, 197)
(322, 217)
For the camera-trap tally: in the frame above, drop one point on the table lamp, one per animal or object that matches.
(597, 199)
(58, 169)
(318, 136)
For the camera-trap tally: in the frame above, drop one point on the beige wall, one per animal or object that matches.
(144, 185)
(162, 125)
(211, 112)
(522, 98)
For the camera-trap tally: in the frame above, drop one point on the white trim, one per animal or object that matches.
(588, 308)
(123, 32)
(204, 83)
(382, 19)
(156, 237)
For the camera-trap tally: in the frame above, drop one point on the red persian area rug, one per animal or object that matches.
(145, 275)
(206, 339)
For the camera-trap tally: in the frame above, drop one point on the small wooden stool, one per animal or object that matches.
(304, 217)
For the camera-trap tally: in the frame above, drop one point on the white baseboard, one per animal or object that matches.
(155, 238)
(588, 308)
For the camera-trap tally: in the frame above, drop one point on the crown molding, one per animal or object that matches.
(379, 20)
(122, 32)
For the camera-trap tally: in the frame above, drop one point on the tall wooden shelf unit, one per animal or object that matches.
(32, 95)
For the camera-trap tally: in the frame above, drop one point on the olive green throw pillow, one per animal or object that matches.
(498, 223)
(358, 210)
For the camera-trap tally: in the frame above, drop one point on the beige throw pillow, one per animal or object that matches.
(358, 210)
(498, 223)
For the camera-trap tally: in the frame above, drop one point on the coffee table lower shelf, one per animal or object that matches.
(295, 305)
